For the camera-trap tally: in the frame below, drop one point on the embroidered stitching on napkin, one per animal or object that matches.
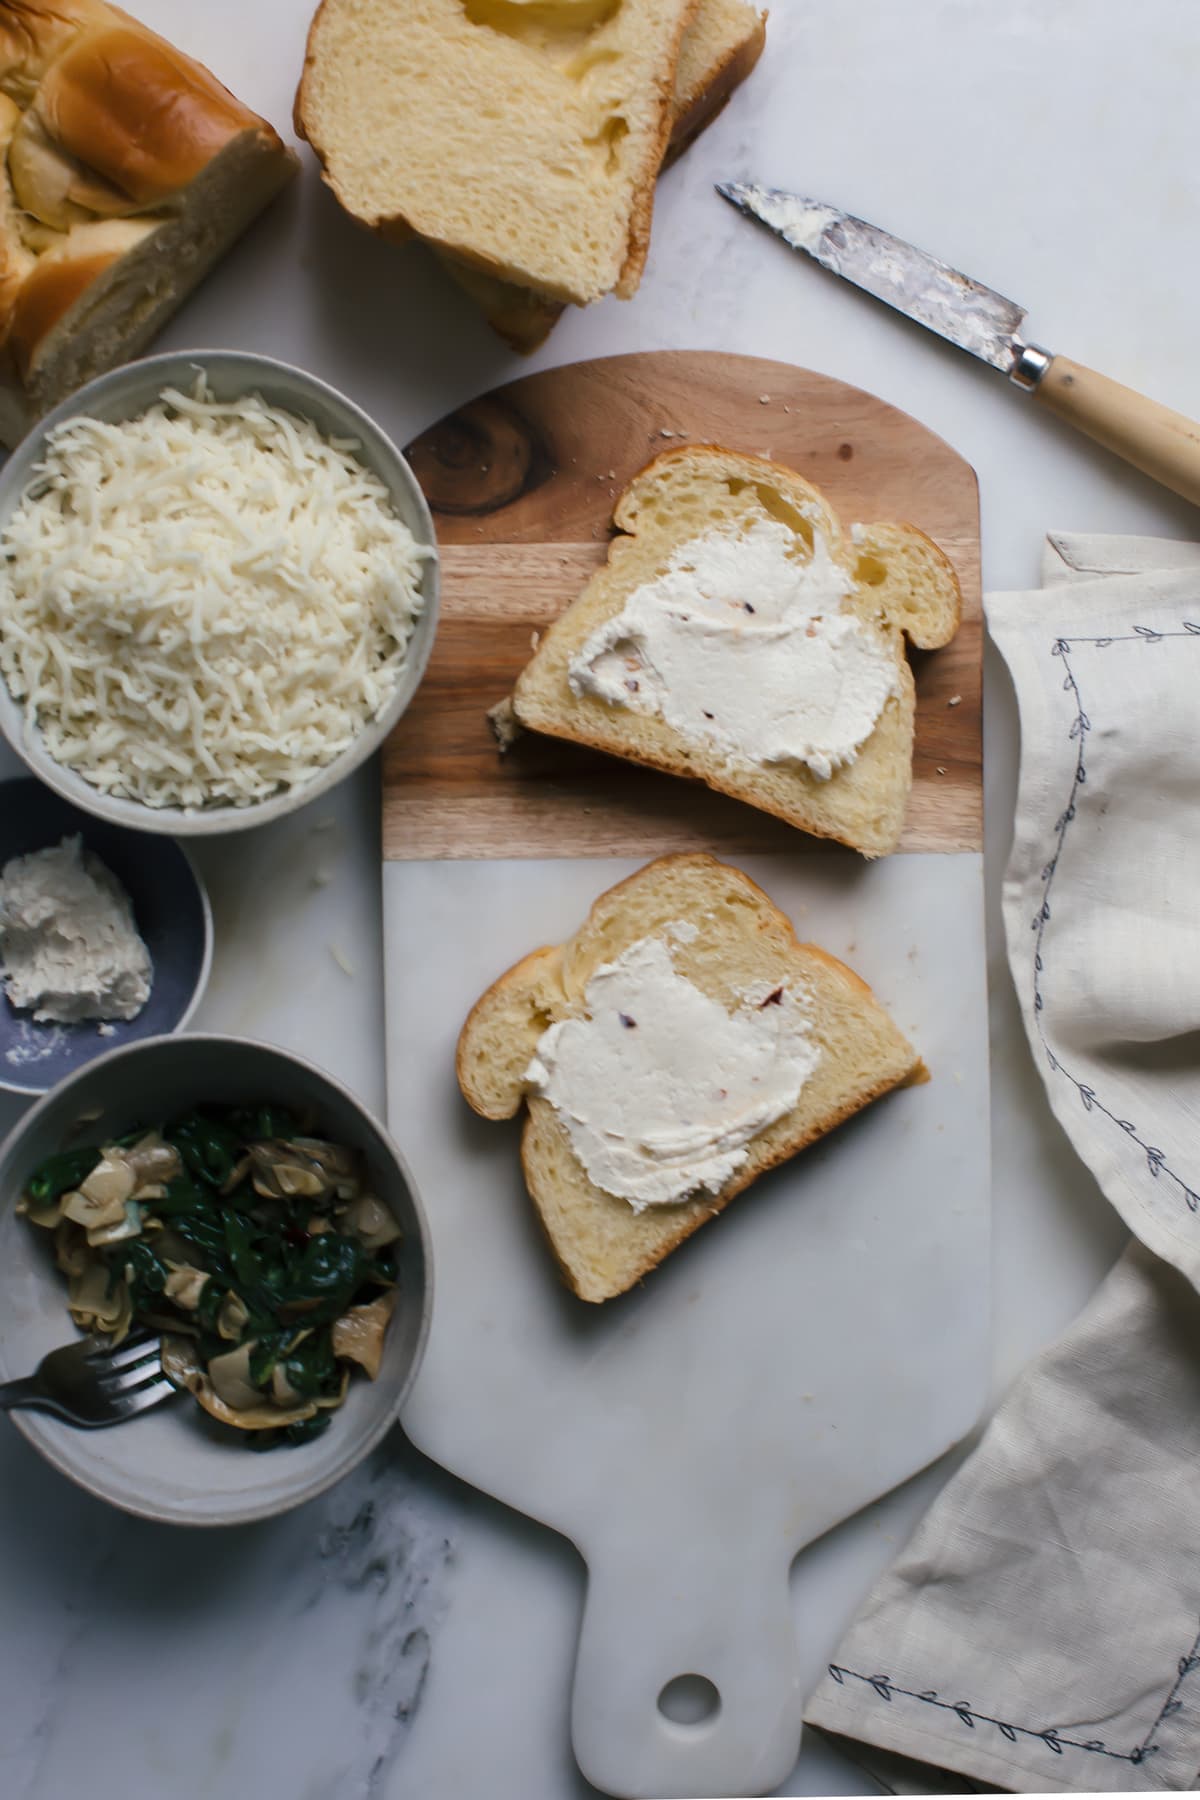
(1055, 1580)
(1100, 893)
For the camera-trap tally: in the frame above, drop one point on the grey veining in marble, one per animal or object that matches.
(302, 1644)
(940, 118)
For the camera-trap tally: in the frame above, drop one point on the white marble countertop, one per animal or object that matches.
(404, 1635)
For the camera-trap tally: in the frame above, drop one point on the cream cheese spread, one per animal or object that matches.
(745, 648)
(659, 1088)
(69, 948)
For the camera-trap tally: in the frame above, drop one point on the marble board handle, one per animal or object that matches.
(668, 1607)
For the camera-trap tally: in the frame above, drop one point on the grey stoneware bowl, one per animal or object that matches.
(127, 392)
(170, 1463)
(170, 909)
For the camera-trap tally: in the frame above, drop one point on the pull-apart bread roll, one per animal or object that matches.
(678, 1046)
(738, 634)
(521, 136)
(128, 171)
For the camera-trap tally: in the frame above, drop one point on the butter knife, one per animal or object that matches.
(1162, 443)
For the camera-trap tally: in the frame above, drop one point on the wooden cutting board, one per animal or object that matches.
(827, 1335)
(522, 483)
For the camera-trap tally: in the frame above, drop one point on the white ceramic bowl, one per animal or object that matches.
(127, 392)
(168, 1463)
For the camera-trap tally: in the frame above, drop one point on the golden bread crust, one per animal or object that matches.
(141, 113)
(700, 108)
(454, 241)
(647, 1238)
(525, 318)
(110, 121)
(862, 803)
(642, 214)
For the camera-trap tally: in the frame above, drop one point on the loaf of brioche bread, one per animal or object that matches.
(128, 171)
(726, 938)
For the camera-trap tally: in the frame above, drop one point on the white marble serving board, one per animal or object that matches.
(775, 1375)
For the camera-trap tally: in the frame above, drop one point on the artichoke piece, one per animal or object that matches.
(99, 1304)
(371, 1222)
(48, 1214)
(358, 1335)
(100, 1197)
(309, 1167)
(154, 1162)
(343, 1167)
(129, 1225)
(233, 1317)
(92, 1213)
(282, 1172)
(282, 1391)
(182, 1366)
(113, 1178)
(229, 1374)
(185, 1284)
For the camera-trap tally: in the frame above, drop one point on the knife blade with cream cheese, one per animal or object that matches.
(1162, 443)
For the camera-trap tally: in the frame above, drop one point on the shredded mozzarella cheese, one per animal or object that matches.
(205, 604)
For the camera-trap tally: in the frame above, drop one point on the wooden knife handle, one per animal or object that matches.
(1154, 439)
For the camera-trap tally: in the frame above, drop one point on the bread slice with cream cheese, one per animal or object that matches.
(719, 49)
(750, 722)
(750, 987)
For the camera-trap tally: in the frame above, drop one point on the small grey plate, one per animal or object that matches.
(127, 392)
(173, 1463)
(170, 909)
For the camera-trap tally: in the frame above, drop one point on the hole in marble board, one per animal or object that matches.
(689, 1700)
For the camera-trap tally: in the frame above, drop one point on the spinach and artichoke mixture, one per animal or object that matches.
(257, 1250)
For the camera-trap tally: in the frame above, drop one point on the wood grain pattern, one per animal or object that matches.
(522, 482)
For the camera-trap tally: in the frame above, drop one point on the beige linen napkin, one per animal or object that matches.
(1042, 1630)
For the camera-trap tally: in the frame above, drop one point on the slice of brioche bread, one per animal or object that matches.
(601, 1244)
(903, 586)
(522, 136)
(719, 49)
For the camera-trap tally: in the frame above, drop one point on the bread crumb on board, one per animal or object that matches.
(506, 728)
(954, 700)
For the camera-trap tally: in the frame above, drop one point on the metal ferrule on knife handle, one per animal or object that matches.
(1030, 364)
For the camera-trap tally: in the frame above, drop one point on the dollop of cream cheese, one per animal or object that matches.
(69, 948)
(745, 647)
(659, 1088)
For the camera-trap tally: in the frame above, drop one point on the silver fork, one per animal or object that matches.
(91, 1384)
